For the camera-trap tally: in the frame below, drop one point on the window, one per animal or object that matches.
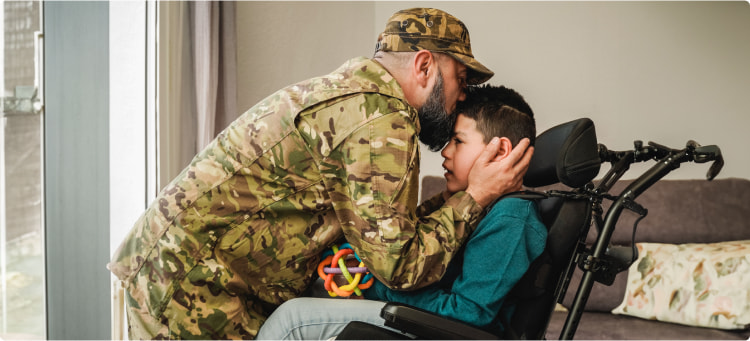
(21, 236)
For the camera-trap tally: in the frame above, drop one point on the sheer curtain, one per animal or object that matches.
(214, 46)
(197, 79)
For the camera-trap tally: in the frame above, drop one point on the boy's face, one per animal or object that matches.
(461, 152)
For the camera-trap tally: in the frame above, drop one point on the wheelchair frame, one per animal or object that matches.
(601, 262)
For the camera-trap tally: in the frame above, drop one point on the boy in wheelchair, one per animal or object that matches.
(495, 257)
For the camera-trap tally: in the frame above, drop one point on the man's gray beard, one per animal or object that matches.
(436, 124)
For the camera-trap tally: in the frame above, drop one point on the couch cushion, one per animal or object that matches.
(704, 285)
(688, 211)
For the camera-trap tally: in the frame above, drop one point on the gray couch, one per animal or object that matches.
(680, 211)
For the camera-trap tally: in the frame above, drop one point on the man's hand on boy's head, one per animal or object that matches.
(489, 179)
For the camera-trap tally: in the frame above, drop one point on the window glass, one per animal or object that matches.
(22, 287)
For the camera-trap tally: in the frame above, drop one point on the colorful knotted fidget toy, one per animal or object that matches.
(334, 263)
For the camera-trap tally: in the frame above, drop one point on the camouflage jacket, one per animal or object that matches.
(331, 157)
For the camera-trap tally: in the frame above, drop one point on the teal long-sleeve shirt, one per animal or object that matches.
(477, 280)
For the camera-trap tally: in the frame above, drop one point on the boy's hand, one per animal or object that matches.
(489, 178)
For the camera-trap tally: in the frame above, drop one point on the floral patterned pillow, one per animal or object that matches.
(704, 285)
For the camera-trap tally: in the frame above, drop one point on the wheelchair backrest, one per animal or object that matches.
(567, 154)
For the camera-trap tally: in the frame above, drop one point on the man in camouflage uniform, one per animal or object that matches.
(242, 228)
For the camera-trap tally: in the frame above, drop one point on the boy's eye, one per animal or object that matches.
(457, 140)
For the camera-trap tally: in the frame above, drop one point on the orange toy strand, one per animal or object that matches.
(335, 261)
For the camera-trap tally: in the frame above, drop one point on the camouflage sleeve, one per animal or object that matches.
(430, 205)
(375, 197)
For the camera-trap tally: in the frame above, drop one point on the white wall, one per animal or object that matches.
(281, 43)
(655, 71)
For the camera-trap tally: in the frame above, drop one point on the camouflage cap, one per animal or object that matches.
(434, 30)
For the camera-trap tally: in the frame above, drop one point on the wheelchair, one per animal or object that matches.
(567, 154)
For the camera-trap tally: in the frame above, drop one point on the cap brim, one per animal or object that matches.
(476, 72)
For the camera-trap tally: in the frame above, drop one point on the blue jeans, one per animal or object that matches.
(309, 318)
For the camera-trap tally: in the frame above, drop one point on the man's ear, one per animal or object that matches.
(504, 150)
(424, 64)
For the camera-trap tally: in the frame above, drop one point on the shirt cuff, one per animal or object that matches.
(466, 207)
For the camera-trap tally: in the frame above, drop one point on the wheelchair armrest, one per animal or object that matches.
(426, 325)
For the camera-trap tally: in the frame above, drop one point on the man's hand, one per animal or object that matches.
(489, 178)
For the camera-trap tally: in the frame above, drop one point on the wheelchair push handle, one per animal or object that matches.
(693, 152)
(703, 154)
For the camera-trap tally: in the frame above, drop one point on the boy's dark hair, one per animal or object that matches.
(499, 111)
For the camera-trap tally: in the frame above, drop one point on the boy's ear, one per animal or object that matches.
(504, 150)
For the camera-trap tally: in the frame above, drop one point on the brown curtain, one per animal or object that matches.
(197, 79)
(214, 53)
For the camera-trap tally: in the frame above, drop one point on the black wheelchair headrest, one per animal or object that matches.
(566, 153)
